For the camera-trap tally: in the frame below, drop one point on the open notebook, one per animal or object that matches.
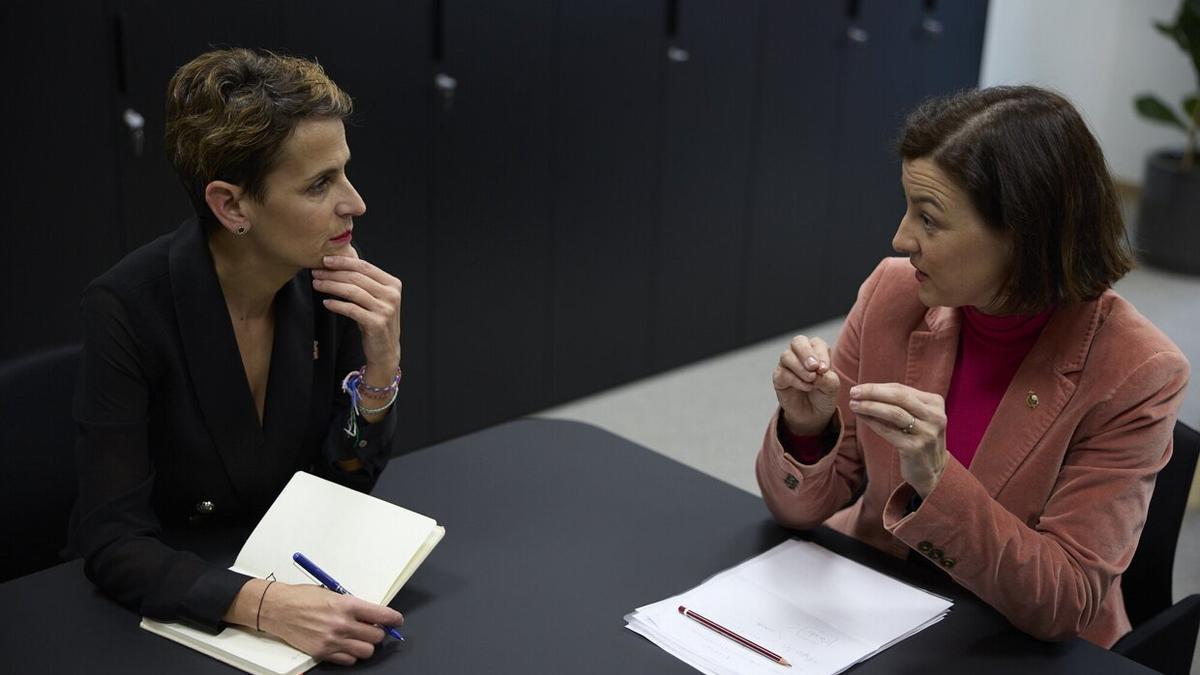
(821, 612)
(371, 546)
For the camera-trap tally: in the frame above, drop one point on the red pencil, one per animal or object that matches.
(710, 624)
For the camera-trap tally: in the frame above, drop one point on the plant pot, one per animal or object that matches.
(1168, 230)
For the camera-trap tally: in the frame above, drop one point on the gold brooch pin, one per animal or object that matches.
(1031, 399)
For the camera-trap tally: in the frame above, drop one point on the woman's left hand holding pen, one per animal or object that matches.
(337, 628)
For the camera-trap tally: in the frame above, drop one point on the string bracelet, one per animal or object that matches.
(350, 386)
(385, 406)
(258, 616)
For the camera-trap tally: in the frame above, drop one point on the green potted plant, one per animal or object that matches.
(1168, 234)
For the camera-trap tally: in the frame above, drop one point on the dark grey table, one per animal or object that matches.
(554, 530)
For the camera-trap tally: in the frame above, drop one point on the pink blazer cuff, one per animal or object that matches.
(786, 464)
(933, 530)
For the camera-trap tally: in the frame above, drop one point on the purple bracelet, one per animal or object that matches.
(377, 392)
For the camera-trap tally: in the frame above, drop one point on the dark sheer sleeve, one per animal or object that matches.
(113, 526)
(373, 443)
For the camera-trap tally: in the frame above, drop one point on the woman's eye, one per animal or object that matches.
(319, 186)
(927, 223)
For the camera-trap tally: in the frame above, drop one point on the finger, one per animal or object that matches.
(802, 347)
(896, 394)
(888, 432)
(341, 659)
(382, 322)
(877, 391)
(358, 619)
(388, 298)
(348, 310)
(364, 632)
(357, 649)
(351, 292)
(350, 277)
(341, 262)
(369, 612)
(930, 400)
(786, 379)
(791, 362)
(822, 354)
(887, 413)
(828, 383)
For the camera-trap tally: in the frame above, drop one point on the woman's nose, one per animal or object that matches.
(354, 204)
(902, 241)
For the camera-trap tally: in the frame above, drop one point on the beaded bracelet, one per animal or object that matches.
(377, 392)
(356, 389)
(387, 391)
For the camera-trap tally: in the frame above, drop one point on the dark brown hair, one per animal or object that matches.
(229, 112)
(1035, 173)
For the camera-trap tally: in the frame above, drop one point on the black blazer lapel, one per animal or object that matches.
(213, 360)
(290, 386)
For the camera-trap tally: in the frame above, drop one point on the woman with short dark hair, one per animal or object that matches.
(214, 358)
(1010, 410)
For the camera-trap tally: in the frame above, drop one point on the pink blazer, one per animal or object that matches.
(1047, 516)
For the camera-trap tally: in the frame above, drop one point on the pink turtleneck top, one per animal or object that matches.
(990, 349)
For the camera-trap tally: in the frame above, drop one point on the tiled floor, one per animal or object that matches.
(711, 415)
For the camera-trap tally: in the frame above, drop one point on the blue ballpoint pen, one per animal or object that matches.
(329, 582)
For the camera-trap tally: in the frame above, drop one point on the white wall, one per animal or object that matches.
(1100, 54)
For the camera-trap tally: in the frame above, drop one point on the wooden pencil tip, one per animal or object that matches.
(784, 662)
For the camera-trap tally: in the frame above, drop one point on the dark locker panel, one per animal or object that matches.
(608, 77)
(385, 68)
(950, 45)
(491, 211)
(788, 255)
(58, 186)
(152, 39)
(713, 75)
(880, 86)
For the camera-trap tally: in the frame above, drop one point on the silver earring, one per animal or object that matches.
(241, 230)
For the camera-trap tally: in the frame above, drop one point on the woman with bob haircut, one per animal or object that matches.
(1007, 411)
(214, 358)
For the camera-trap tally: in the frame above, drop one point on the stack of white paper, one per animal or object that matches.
(821, 612)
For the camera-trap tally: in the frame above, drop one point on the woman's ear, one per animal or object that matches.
(227, 202)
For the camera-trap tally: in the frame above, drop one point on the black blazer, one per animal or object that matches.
(169, 438)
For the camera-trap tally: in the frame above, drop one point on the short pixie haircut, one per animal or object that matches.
(1035, 173)
(229, 112)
